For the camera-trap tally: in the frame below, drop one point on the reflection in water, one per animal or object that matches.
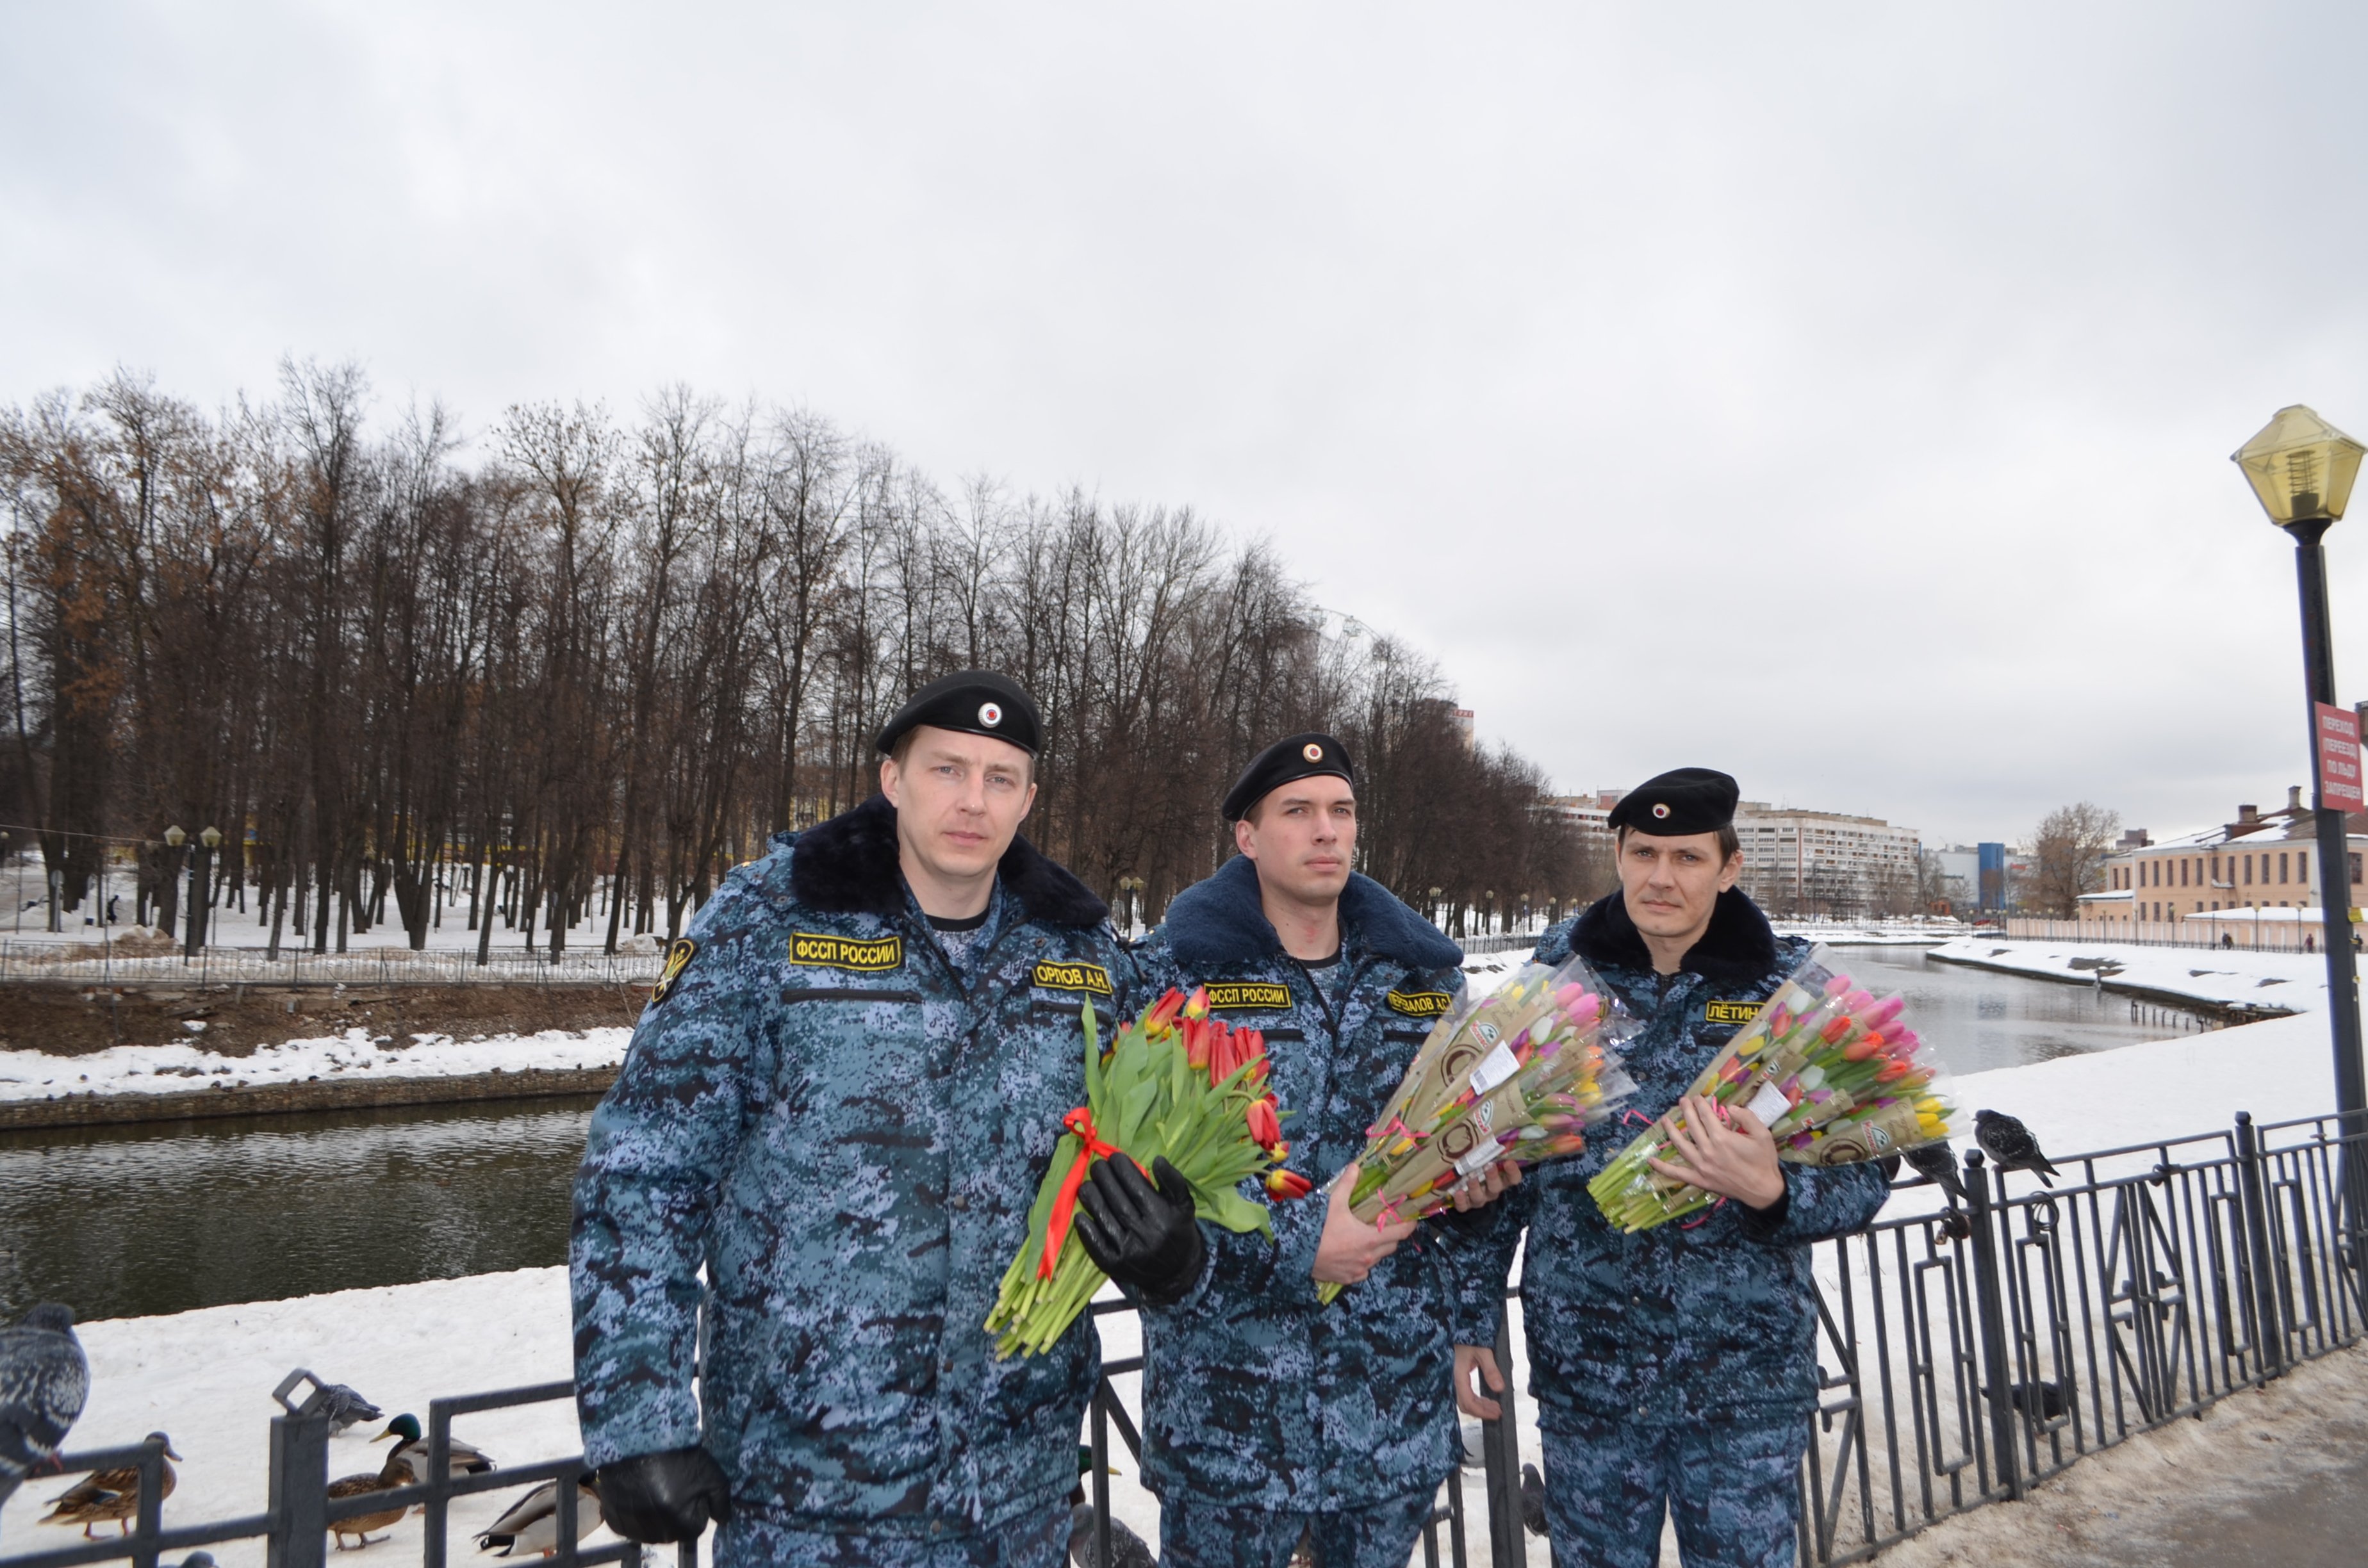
(1978, 1020)
(125, 1221)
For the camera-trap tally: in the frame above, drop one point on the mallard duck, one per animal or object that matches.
(393, 1475)
(109, 1494)
(1128, 1549)
(412, 1451)
(43, 1381)
(531, 1524)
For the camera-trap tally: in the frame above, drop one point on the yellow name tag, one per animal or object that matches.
(1418, 1004)
(1237, 994)
(1732, 1012)
(1090, 977)
(868, 954)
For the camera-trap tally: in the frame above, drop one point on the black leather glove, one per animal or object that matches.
(1143, 1236)
(654, 1499)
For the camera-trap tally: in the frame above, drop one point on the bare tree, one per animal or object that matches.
(2067, 856)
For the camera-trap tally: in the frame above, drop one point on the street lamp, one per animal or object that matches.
(2301, 469)
(200, 886)
(169, 893)
(1133, 888)
(1434, 904)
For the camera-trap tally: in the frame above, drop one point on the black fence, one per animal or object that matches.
(1965, 1355)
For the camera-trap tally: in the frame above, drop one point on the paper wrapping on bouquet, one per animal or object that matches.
(1834, 1072)
(1174, 1083)
(1519, 1074)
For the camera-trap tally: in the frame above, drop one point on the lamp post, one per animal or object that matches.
(201, 872)
(1133, 888)
(169, 892)
(1434, 904)
(2301, 468)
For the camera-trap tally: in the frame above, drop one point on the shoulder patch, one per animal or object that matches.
(678, 954)
(1419, 1004)
(866, 955)
(1264, 995)
(1731, 1012)
(1056, 974)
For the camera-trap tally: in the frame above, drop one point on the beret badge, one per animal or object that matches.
(991, 714)
(1662, 810)
(1312, 752)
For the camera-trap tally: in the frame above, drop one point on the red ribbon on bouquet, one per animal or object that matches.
(1064, 1203)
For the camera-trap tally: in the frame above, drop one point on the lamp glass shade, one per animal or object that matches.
(210, 838)
(176, 838)
(2300, 467)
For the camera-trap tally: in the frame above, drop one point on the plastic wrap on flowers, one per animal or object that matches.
(1834, 1073)
(1517, 1075)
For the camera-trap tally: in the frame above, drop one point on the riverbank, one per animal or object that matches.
(350, 1070)
(2232, 981)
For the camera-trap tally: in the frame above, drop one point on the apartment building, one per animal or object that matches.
(2259, 861)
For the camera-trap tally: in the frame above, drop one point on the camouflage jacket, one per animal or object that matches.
(1253, 1395)
(845, 1130)
(1674, 1323)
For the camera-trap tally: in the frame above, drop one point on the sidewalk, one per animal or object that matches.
(2276, 1478)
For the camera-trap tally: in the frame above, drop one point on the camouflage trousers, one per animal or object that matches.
(1038, 1539)
(1202, 1535)
(1732, 1488)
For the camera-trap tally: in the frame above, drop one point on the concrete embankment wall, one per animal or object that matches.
(94, 1109)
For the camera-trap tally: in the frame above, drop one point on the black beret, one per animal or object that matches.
(1681, 801)
(1293, 757)
(976, 703)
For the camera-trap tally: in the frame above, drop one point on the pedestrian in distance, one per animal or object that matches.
(1675, 1369)
(838, 1105)
(1269, 1416)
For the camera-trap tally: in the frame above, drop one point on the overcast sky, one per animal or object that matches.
(1840, 396)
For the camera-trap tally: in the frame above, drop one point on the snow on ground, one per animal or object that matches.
(175, 1069)
(2232, 977)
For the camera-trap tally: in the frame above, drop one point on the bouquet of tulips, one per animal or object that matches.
(1835, 1075)
(1517, 1075)
(1174, 1083)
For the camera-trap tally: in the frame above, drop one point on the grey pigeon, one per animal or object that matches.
(1934, 1163)
(1476, 1452)
(341, 1406)
(1534, 1500)
(198, 1560)
(44, 1379)
(2011, 1144)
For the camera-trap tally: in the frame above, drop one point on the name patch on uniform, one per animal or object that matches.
(1236, 995)
(866, 955)
(1419, 1004)
(1731, 1012)
(679, 953)
(1059, 976)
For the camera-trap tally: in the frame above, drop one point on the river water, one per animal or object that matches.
(128, 1220)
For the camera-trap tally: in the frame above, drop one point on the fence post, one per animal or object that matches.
(1992, 1308)
(1501, 1458)
(2269, 1330)
(151, 1504)
(300, 1492)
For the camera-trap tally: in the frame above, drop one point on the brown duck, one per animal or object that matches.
(396, 1474)
(109, 1494)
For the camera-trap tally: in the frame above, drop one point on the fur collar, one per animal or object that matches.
(1220, 920)
(847, 866)
(1739, 948)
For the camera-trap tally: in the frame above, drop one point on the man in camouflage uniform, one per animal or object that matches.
(1676, 1368)
(1268, 1416)
(839, 1103)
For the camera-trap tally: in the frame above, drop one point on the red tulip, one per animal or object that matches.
(1266, 1127)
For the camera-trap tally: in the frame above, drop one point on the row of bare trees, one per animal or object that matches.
(578, 678)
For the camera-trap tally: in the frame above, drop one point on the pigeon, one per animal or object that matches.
(198, 1560)
(1534, 1500)
(1476, 1452)
(1936, 1164)
(341, 1406)
(2011, 1144)
(2040, 1401)
(44, 1380)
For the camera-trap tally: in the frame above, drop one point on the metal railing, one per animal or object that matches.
(1964, 1356)
(2240, 933)
(54, 964)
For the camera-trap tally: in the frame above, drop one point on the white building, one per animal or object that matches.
(1801, 862)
